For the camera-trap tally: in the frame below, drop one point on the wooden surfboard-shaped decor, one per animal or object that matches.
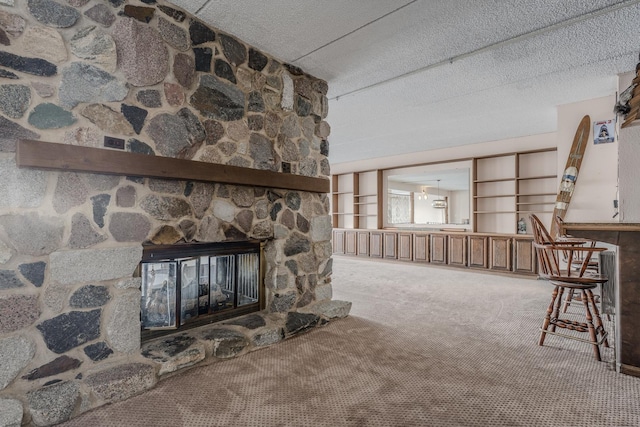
(570, 174)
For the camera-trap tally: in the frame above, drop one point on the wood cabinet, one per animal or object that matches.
(405, 246)
(500, 253)
(457, 250)
(524, 255)
(375, 244)
(350, 247)
(390, 245)
(363, 243)
(478, 251)
(438, 248)
(421, 247)
(495, 252)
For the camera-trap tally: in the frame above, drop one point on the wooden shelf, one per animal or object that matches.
(536, 203)
(494, 212)
(482, 181)
(491, 197)
(341, 192)
(365, 195)
(534, 211)
(48, 155)
(536, 177)
(536, 194)
(366, 203)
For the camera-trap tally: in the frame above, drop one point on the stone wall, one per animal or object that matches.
(77, 71)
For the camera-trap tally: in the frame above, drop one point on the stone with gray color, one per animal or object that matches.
(300, 322)
(282, 303)
(69, 330)
(5, 253)
(184, 69)
(10, 132)
(235, 51)
(50, 116)
(96, 47)
(262, 152)
(9, 280)
(174, 353)
(150, 98)
(243, 196)
(34, 272)
(131, 283)
(321, 228)
(296, 244)
(142, 54)
(129, 226)
(210, 230)
(101, 14)
(14, 100)
(201, 197)
(67, 267)
(224, 210)
(174, 35)
(166, 186)
(100, 182)
(170, 134)
(122, 381)
(123, 324)
(70, 192)
(53, 14)
(331, 309)
(83, 82)
(54, 403)
(17, 312)
(226, 343)
(83, 234)
(15, 353)
(165, 207)
(10, 411)
(126, 196)
(268, 337)
(32, 234)
(218, 100)
(12, 23)
(33, 66)
(287, 92)
(90, 296)
(98, 351)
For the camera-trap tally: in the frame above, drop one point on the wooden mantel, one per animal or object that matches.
(48, 155)
(626, 237)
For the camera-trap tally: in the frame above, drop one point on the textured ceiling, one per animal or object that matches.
(407, 76)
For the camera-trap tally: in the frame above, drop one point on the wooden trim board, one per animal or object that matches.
(48, 155)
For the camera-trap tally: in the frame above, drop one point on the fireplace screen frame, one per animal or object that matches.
(170, 273)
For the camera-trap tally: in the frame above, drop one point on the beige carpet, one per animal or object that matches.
(424, 346)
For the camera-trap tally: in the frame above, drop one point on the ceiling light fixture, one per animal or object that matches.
(439, 203)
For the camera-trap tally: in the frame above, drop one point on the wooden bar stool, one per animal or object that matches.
(556, 261)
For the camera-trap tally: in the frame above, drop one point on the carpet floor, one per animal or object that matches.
(423, 346)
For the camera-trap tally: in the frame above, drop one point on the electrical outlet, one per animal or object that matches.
(112, 142)
(615, 204)
(286, 167)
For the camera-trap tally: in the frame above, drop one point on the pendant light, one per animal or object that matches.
(439, 203)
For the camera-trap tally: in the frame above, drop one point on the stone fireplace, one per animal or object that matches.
(149, 82)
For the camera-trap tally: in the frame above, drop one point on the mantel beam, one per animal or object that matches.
(53, 156)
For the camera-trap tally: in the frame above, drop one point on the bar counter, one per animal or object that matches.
(626, 237)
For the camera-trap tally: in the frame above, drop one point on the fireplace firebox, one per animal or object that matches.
(190, 285)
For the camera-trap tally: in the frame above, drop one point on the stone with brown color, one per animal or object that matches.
(165, 207)
(83, 234)
(96, 47)
(245, 220)
(70, 192)
(184, 69)
(174, 94)
(188, 229)
(12, 23)
(57, 366)
(215, 131)
(201, 198)
(166, 235)
(141, 13)
(18, 312)
(101, 14)
(126, 197)
(142, 54)
(238, 130)
(243, 196)
(129, 227)
(111, 122)
(83, 136)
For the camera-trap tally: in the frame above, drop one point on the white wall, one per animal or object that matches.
(596, 187)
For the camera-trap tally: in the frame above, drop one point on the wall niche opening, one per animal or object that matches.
(189, 285)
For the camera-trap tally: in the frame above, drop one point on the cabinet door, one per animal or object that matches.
(421, 247)
(405, 247)
(375, 245)
(439, 248)
(500, 253)
(524, 256)
(350, 243)
(390, 245)
(363, 243)
(338, 241)
(478, 251)
(458, 250)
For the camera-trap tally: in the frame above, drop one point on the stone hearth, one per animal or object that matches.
(161, 83)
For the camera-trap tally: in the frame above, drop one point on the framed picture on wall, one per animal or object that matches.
(604, 131)
(158, 295)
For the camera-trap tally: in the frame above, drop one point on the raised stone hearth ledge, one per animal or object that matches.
(178, 96)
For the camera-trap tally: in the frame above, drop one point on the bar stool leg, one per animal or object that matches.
(567, 300)
(592, 330)
(556, 311)
(547, 317)
(599, 325)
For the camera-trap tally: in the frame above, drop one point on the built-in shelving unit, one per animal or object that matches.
(355, 200)
(511, 186)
